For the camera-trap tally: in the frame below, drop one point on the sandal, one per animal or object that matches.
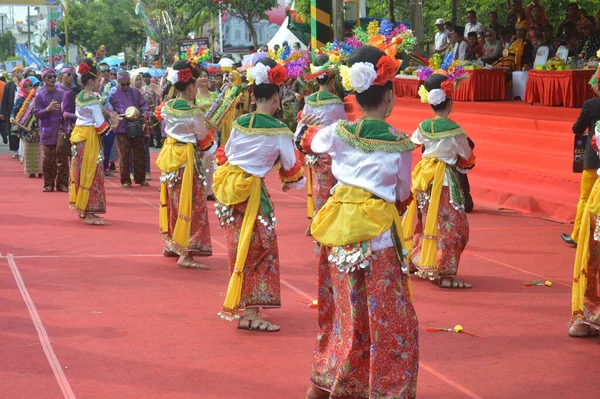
(257, 324)
(169, 254)
(145, 184)
(453, 283)
(127, 185)
(96, 222)
(62, 189)
(192, 264)
(48, 189)
(32, 176)
(580, 329)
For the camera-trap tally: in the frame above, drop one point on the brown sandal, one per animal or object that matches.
(192, 265)
(257, 324)
(127, 185)
(48, 189)
(169, 254)
(453, 283)
(97, 222)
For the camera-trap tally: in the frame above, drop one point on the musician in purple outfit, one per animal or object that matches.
(48, 113)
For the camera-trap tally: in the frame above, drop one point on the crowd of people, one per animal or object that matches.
(376, 220)
(516, 44)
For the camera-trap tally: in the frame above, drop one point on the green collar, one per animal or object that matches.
(438, 129)
(256, 124)
(370, 135)
(180, 108)
(85, 99)
(321, 98)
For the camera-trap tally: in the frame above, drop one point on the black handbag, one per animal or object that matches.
(133, 129)
(63, 145)
(579, 144)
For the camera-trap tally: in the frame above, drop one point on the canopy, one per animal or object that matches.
(284, 34)
(156, 72)
(112, 61)
(226, 64)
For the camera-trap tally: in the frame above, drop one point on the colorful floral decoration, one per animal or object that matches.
(457, 329)
(373, 28)
(197, 55)
(546, 283)
(435, 62)
(555, 63)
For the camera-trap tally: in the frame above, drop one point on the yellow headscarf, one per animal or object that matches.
(237, 78)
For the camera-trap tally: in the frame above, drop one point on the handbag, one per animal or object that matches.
(63, 145)
(579, 144)
(133, 128)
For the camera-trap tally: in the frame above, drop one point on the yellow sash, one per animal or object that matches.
(232, 186)
(353, 215)
(426, 171)
(79, 197)
(170, 159)
(580, 278)
(310, 204)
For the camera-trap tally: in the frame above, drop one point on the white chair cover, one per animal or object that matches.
(563, 53)
(541, 57)
(519, 81)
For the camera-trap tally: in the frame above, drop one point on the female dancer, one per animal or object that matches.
(183, 213)
(329, 109)
(205, 99)
(22, 117)
(258, 141)
(585, 320)
(232, 93)
(368, 345)
(87, 197)
(442, 229)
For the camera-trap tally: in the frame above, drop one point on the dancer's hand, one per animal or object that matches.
(286, 187)
(310, 120)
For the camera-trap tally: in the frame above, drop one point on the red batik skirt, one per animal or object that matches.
(452, 234)
(368, 344)
(97, 201)
(261, 286)
(200, 244)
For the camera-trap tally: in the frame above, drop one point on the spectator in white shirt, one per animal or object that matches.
(459, 45)
(441, 37)
(472, 24)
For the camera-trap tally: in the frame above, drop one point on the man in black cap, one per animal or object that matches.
(475, 49)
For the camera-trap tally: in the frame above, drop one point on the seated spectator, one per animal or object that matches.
(493, 19)
(519, 56)
(571, 17)
(472, 25)
(589, 42)
(492, 49)
(530, 6)
(549, 40)
(516, 15)
(449, 27)
(481, 38)
(475, 49)
(538, 18)
(459, 45)
(537, 38)
(507, 36)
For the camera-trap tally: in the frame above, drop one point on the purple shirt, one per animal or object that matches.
(49, 121)
(68, 109)
(122, 100)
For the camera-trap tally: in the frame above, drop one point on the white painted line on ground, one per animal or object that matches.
(63, 383)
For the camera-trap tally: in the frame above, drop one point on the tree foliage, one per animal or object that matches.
(7, 45)
(112, 23)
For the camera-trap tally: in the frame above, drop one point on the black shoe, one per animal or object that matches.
(568, 239)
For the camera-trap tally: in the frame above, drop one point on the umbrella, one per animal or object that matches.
(226, 64)
(251, 59)
(156, 72)
(112, 61)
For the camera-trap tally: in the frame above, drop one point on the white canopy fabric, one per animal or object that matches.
(284, 34)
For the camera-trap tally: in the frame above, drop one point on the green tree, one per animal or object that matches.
(113, 23)
(7, 45)
(250, 11)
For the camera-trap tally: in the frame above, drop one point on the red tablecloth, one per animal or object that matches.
(555, 88)
(481, 85)
(407, 87)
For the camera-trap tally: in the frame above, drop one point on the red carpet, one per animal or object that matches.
(124, 322)
(524, 153)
